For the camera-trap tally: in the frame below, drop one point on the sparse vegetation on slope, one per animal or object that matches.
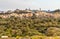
(21, 27)
(35, 27)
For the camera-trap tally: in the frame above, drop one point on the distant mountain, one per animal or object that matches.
(55, 11)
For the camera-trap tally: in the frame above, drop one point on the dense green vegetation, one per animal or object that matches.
(15, 26)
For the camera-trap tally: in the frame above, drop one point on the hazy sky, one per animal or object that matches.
(33, 4)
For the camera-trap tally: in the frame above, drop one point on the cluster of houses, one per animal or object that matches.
(27, 13)
(16, 13)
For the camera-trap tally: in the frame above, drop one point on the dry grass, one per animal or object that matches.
(35, 37)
